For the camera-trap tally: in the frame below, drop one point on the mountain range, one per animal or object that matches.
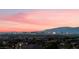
(61, 30)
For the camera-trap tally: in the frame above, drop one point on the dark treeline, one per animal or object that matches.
(22, 41)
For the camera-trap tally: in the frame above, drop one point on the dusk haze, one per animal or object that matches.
(28, 20)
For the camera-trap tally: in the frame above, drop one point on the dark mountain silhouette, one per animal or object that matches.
(73, 30)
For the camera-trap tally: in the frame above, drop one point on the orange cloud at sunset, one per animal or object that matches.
(37, 20)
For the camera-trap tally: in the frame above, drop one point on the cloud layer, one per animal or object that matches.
(39, 20)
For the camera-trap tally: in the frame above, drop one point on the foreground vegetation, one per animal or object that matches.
(39, 42)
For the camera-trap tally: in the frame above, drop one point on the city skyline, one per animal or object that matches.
(27, 20)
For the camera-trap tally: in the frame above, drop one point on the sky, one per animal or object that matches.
(28, 20)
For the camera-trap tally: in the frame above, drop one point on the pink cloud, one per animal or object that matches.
(41, 19)
(47, 18)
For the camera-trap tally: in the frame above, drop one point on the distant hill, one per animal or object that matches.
(62, 30)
